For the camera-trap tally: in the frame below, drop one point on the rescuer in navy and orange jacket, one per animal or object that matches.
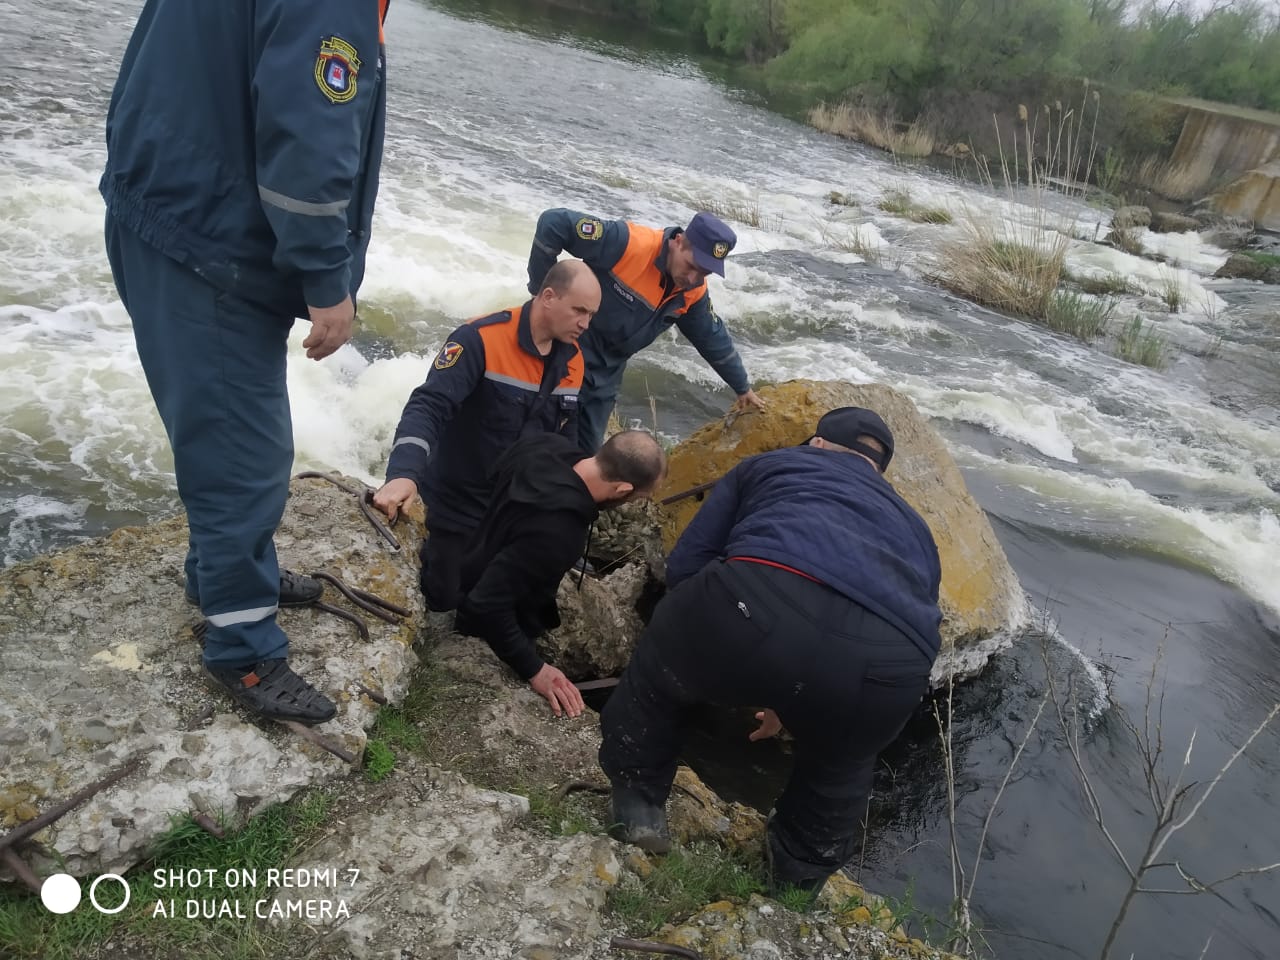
(496, 379)
(650, 279)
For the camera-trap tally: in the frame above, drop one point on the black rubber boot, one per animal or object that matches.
(637, 821)
(295, 590)
(272, 690)
(775, 885)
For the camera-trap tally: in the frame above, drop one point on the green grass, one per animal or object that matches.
(270, 839)
(899, 203)
(559, 816)
(1127, 239)
(379, 760)
(1083, 317)
(1109, 284)
(1172, 292)
(683, 881)
(1139, 342)
(1266, 259)
(395, 728)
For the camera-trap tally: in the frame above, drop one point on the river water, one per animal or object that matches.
(1139, 507)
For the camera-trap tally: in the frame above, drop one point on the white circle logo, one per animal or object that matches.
(93, 889)
(60, 893)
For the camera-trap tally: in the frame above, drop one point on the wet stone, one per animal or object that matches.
(98, 732)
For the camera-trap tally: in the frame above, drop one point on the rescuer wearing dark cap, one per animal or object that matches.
(808, 588)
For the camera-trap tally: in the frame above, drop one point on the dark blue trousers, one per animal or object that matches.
(843, 682)
(216, 368)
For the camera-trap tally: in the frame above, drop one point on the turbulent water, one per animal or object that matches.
(1140, 507)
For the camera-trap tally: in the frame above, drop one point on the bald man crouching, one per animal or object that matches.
(496, 379)
(547, 493)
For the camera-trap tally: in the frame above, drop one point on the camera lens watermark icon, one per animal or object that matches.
(60, 893)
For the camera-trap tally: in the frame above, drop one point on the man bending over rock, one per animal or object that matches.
(804, 585)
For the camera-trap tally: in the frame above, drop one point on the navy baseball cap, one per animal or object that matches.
(711, 239)
(844, 425)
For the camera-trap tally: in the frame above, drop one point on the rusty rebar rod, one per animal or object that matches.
(318, 475)
(36, 824)
(697, 491)
(209, 825)
(371, 514)
(372, 694)
(385, 604)
(652, 946)
(20, 869)
(360, 626)
(364, 499)
(308, 734)
(380, 608)
(603, 684)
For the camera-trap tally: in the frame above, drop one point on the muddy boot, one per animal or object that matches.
(636, 820)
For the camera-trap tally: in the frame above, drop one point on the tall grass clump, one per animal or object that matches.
(877, 129)
(1084, 318)
(1139, 342)
(736, 208)
(1015, 265)
(899, 203)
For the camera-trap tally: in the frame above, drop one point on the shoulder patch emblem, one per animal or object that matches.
(589, 229)
(337, 67)
(449, 355)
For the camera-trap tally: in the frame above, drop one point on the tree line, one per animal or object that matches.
(912, 50)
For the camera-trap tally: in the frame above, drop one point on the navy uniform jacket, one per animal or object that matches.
(638, 304)
(487, 388)
(830, 515)
(244, 139)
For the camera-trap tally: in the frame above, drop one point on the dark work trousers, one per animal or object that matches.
(216, 368)
(441, 574)
(843, 682)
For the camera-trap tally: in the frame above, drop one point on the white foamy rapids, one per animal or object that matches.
(1239, 548)
(72, 392)
(345, 409)
(1154, 281)
(30, 517)
(51, 246)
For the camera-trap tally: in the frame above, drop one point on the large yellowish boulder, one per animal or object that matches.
(981, 599)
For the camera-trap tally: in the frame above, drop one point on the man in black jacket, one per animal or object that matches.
(546, 496)
(806, 586)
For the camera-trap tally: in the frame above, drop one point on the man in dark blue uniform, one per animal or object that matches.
(496, 379)
(244, 139)
(804, 585)
(650, 279)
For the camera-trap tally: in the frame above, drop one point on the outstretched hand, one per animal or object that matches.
(393, 495)
(749, 401)
(558, 690)
(769, 725)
